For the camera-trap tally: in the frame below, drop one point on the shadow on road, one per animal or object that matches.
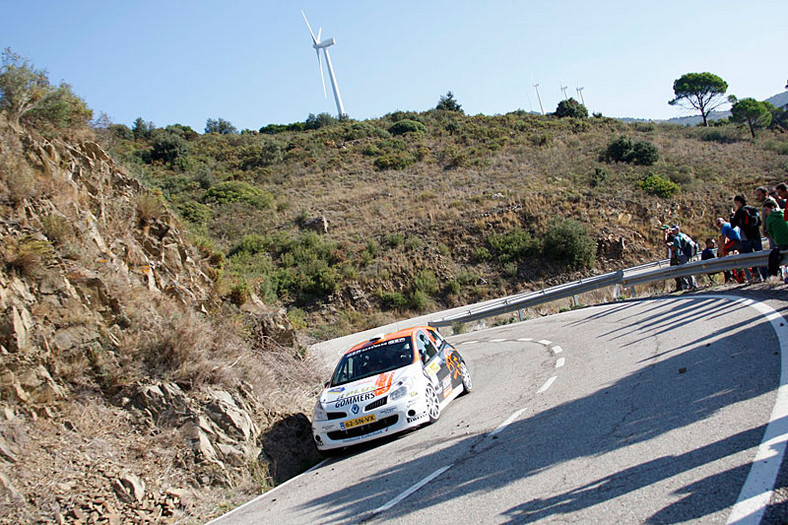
(688, 383)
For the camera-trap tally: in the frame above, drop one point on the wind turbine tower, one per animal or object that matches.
(536, 87)
(580, 94)
(324, 45)
(563, 89)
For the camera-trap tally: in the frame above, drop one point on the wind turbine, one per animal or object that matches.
(324, 45)
(536, 87)
(563, 89)
(580, 94)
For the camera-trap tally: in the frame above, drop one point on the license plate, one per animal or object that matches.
(358, 421)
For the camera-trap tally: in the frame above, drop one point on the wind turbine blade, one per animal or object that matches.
(322, 78)
(319, 32)
(315, 40)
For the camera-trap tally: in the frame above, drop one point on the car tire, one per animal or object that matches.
(433, 405)
(467, 383)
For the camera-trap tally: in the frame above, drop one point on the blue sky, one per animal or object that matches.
(251, 62)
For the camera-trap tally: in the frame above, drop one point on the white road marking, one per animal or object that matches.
(412, 489)
(557, 349)
(547, 384)
(560, 362)
(544, 342)
(506, 423)
(525, 339)
(469, 342)
(497, 340)
(757, 489)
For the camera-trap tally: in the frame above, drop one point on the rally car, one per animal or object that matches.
(388, 384)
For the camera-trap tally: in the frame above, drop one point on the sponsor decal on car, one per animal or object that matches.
(337, 390)
(383, 383)
(387, 411)
(345, 401)
(417, 417)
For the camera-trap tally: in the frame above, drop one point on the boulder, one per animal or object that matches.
(129, 488)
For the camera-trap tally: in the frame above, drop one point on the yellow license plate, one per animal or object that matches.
(358, 421)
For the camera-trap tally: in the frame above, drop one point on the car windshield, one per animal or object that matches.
(373, 360)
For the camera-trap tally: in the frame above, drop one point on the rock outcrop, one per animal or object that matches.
(122, 387)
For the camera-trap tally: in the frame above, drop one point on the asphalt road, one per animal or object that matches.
(643, 411)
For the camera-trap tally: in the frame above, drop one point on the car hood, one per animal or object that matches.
(363, 389)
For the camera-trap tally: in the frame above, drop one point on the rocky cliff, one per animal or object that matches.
(130, 391)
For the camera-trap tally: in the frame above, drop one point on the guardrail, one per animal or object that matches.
(636, 277)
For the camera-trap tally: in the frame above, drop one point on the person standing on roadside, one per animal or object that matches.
(748, 220)
(782, 193)
(730, 241)
(776, 226)
(684, 248)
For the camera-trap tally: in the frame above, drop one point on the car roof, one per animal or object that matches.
(405, 332)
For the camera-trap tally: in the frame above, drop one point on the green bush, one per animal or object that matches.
(567, 240)
(624, 149)
(514, 245)
(392, 300)
(425, 281)
(571, 108)
(407, 126)
(394, 161)
(655, 185)
(167, 147)
(238, 191)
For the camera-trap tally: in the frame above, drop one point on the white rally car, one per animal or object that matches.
(386, 385)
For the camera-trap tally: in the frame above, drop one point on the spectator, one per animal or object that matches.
(782, 193)
(708, 251)
(761, 193)
(684, 248)
(776, 226)
(668, 242)
(747, 220)
(730, 241)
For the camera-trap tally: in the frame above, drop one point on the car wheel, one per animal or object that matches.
(433, 405)
(467, 384)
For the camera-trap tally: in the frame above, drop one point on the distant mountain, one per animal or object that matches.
(780, 100)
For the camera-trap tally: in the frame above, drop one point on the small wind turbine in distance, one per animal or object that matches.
(563, 89)
(536, 87)
(324, 45)
(580, 94)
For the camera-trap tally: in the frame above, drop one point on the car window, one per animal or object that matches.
(372, 360)
(427, 349)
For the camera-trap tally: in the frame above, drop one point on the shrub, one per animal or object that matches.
(167, 147)
(623, 149)
(395, 239)
(195, 212)
(655, 185)
(394, 161)
(567, 240)
(571, 108)
(514, 245)
(26, 255)
(57, 228)
(407, 126)
(149, 207)
(644, 154)
(392, 300)
(426, 282)
(238, 191)
(598, 178)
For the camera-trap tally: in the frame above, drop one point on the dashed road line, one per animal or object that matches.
(469, 342)
(412, 489)
(506, 423)
(560, 362)
(557, 349)
(546, 385)
(525, 339)
(544, 342)
(497, 340)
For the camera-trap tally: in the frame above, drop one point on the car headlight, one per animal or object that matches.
(401, 390)
(320, 412)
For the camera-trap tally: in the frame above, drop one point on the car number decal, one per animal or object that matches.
(363, 420)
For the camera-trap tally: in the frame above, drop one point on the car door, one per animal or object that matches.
(450, 357)
(434, 364)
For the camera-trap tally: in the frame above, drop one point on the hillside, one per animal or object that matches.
(421, 211)
(159, 286)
